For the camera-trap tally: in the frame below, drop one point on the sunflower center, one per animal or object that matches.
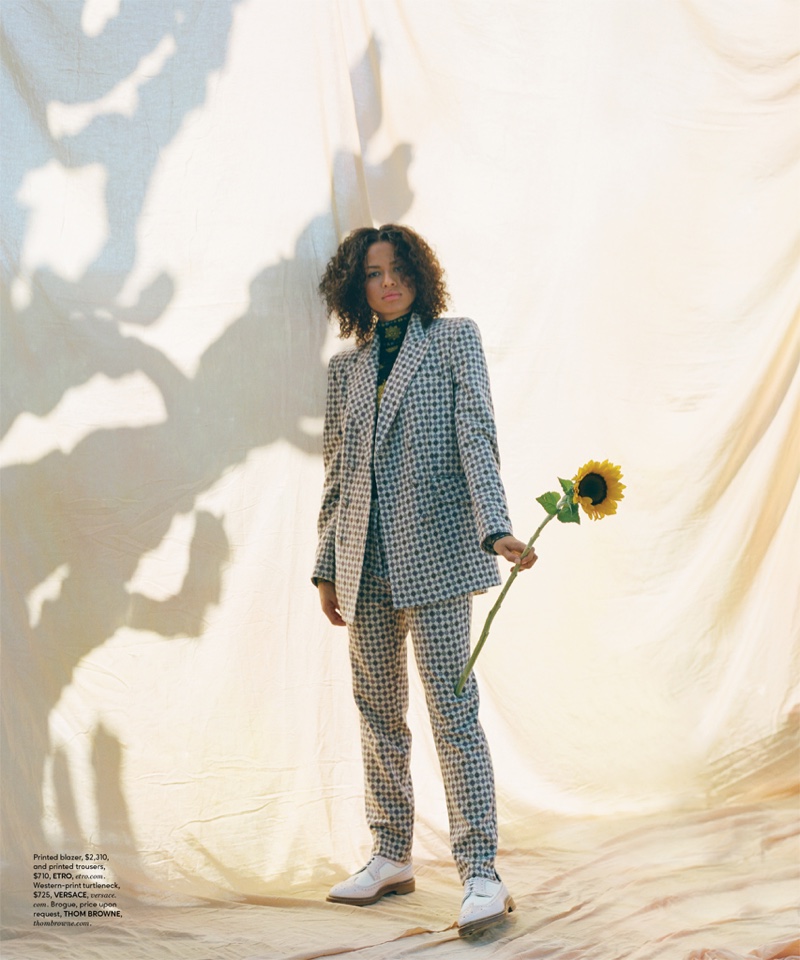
(593, 486)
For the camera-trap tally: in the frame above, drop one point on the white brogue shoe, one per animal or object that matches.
(485, 902)
(379, 877)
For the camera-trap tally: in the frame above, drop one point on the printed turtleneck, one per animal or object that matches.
(390, 335)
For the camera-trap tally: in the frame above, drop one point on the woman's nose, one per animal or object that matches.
(388, 280)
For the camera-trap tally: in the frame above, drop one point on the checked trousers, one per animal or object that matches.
(440, 633)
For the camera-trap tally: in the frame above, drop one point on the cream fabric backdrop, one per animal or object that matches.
(613, 189)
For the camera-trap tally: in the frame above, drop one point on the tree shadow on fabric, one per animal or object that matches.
(91, 513)
(176, 47)
(116, 836)
(114, 831)
(59, 512)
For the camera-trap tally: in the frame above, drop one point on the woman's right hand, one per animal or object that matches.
(330, 602)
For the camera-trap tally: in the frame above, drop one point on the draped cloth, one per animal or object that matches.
(612, 188)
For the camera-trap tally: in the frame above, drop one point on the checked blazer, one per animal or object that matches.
(431, 448)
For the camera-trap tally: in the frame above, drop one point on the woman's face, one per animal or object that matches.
(390, 293)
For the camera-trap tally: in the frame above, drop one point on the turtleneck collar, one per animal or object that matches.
(391, 334)
(385, 327)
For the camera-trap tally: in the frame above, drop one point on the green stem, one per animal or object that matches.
(485, 632)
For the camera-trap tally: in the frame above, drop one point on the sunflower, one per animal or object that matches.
(598, 488)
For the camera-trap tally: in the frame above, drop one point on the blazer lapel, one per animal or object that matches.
(415, 345)
(362, 387)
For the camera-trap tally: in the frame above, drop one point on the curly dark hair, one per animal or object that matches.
(343, 284)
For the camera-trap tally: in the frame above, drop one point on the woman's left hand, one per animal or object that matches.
(511, 548)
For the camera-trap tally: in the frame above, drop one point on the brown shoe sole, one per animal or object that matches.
(475, 926)
(405, 886)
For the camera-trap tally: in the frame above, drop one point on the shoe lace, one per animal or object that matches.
(476, 885)
(373, 866)
(470, 886)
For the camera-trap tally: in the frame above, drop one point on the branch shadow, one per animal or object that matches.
(93, 512)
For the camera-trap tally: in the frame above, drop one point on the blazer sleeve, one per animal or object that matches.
(476, 431)
(325, 561)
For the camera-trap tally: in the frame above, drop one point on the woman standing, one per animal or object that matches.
(413, 512)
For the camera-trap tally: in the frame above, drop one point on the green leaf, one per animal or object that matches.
(549, 501)
(567, 486)
(569, 512)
